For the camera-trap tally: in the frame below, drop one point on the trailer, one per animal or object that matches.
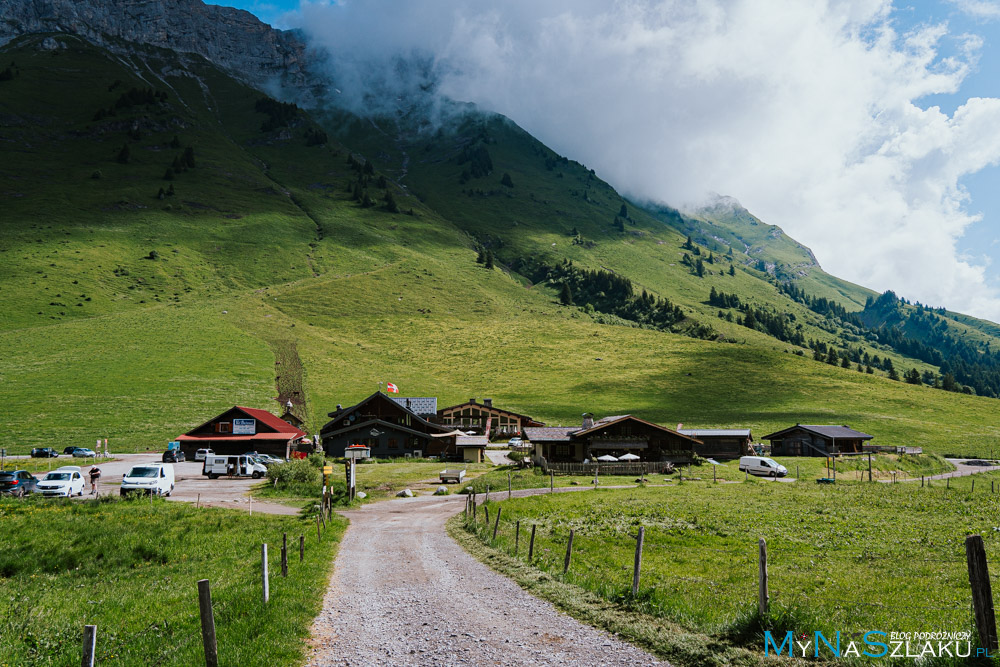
(455, 476)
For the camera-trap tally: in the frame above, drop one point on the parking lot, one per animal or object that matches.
(190, 486)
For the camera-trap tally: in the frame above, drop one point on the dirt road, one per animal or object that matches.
(404, 593)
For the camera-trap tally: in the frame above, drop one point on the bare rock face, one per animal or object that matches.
(232, 39)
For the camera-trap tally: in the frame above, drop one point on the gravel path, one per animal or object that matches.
(404, 593)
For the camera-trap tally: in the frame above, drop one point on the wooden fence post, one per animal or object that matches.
(475, 505)
(89, 645)
(263, 572)
(496, 525)
(302, 548)
(973, 485)
(284, 554)
(508, 487)
(569, 552)
(947, 483)
(763, 597)
(517, 536)
(531, 544)
(869, 467)
(552, 481)
(982, 592)
(322, 518)
(197, 503)
(713, 474)
(638, 559)
(487, 494)
(487, 510)
(207, 624)
(319, 535)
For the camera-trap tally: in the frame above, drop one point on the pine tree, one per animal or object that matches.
(170, 190)
(699, 268)
(124, 154)
(845, 362)
(913, 376)
(619, 224)
(732, 271)
(893, 375)
(687, 244)
(390, 202)
(831, 356)
(168, 175)
(188, 158)
(869, 370)
(566, 295)
(506, 181)
(623, 212)
(489, 260)
(481, 257)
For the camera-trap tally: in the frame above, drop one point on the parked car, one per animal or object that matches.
(83, 452)
(762, 466)
(173, 456)
(149, 478)
(69, 450)
(44, 453)
(267, 459)
(202, 453)
(17, 482)
(516, 442)
(66, 481)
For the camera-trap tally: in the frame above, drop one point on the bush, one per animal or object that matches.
(298, 472)
(317, 459)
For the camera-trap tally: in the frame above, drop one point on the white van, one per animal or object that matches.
(763, 466)
(234, 466)
(152, 478)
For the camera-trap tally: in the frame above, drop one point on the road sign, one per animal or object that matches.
(327, 470)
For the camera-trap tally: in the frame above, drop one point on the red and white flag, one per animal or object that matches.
(391, 388)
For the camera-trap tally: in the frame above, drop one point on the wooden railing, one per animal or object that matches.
(620, 468)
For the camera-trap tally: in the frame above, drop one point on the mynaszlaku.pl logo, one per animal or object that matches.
(874, 644)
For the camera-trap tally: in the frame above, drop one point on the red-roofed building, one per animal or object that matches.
(240, 430)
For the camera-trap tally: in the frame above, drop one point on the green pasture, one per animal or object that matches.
(132, 568)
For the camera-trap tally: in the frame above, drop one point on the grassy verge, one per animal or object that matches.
(132, 570)
(848, 558)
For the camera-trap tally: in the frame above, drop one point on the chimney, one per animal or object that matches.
(339, 407)
(488, 402)
(472, 400)
(588, 420)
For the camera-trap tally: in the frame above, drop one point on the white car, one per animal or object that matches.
(516, 442)
(152, 478)
(202, 453)
(66, 481)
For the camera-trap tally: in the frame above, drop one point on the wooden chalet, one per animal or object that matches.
(473, 416)
(813, 440)
(291, 418)
(617, 435)
(240, 430)
(392, 430)
(718, 443)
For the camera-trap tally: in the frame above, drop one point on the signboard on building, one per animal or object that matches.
(244, 426)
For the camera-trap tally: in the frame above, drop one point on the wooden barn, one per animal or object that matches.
(720, 443)
(240, 430)
(816, 440)
(392, 430)
(473, 416)
(617, 435)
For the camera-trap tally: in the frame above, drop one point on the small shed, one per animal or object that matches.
(471, 448)
(817, 440)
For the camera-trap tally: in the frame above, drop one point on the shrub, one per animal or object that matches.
(317, 459)
(295, 473)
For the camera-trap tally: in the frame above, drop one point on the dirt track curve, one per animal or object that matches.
(404, 593)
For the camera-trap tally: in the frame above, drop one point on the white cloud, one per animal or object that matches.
(806, 111)
(979, 9)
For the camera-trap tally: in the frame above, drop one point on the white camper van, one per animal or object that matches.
(233, 466)
(152, 478)
(763, 466)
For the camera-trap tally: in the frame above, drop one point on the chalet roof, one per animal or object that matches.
(550, 433)
(483, 406)
(716, 432)
(471, 441)
(608, 421)
(375, 422)
(339, 414)
(830, 431)
(280, 426)
(423, 405)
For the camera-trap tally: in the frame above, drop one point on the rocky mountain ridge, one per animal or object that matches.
(232, 39)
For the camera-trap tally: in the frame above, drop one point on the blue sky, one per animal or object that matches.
(845, 145)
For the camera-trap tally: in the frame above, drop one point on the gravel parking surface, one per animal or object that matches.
(404, 593)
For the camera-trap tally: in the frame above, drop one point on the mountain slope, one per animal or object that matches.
(277, 269)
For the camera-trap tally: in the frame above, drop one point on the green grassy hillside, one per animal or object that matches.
(134, 317)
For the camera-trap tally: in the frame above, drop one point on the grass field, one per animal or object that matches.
(850, 557)
(132, 569)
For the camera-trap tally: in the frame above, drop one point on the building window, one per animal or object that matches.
(223, 427)
(392, 444)
(564, 451)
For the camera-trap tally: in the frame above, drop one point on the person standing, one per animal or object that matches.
(95, 477)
